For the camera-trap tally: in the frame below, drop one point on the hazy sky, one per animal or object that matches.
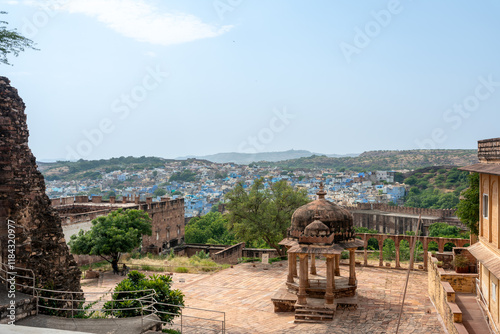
(174, 78)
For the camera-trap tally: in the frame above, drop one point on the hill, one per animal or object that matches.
(383, 160)
(247, 158)
(435, 188)
(90, 169)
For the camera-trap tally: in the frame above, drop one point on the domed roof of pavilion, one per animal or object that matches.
(330, 214)
(316, 228)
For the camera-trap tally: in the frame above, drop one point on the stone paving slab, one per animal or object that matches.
(244, 293)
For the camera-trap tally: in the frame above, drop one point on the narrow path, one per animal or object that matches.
(472, 317)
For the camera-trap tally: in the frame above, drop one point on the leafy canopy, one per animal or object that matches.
(209, 229)
(129, 305)
(468, 208)
(120, 231)
(11, 42)
(264, 212)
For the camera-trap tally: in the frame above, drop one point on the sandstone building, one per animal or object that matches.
(487, 250)
(167, 217)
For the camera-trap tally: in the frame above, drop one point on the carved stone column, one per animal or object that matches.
(292, 264)
(352, 267)
(330, 279)
(313, 265)
(302, 295)
(337, 265)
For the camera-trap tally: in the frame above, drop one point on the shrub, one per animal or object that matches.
(181, 270)
(126, 301)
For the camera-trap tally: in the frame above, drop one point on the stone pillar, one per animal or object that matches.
(292, 262)
(330, 279)
(398, 265)
(302, 295)
(365, 246)
(440, 245)
(294, 265)
(337, 265)
(411, 242)
(381, 253)
(112, 199)
(352, 267)
(425, 245)
(313, 264)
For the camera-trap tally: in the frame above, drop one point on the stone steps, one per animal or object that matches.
(313, 315)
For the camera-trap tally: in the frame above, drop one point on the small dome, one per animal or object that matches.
(330, 214)
(316, 228)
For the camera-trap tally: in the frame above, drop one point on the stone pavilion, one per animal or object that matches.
(318, 229)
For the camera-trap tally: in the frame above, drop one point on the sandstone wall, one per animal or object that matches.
(40, 243)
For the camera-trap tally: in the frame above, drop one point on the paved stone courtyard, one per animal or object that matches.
(244, 293)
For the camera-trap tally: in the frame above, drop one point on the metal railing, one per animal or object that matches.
(145, 306)
(486, 307)
(9, 273)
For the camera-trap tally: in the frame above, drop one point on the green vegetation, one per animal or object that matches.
(159, 192)
(435, 188)
(126, 300)
(263, 213)
(468, 208)
(118, 232)
(383, 160)
(209, 229)
(443, 230)
(184, 176)
(12, 42)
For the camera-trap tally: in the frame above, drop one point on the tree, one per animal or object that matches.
(119, 232)
(127, 304)
(159, 192)
(211, 228)
(264, 211)
(11, 42)
(468, 207)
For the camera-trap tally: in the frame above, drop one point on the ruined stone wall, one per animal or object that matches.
(40, 243)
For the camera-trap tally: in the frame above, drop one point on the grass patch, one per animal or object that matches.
(181, 270)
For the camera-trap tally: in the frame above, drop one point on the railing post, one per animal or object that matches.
(72, 306)
(181, 320)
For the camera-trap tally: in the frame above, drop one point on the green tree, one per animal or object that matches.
(12, 43)
(159, 192)
(444, 230)
(263, 212)
(468, 207)
(119, 232)
(135, 286)
(211, 228)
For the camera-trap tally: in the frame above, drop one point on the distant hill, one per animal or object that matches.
(384, 160)
(247, 158)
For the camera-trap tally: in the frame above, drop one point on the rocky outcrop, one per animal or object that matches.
(40, 244)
